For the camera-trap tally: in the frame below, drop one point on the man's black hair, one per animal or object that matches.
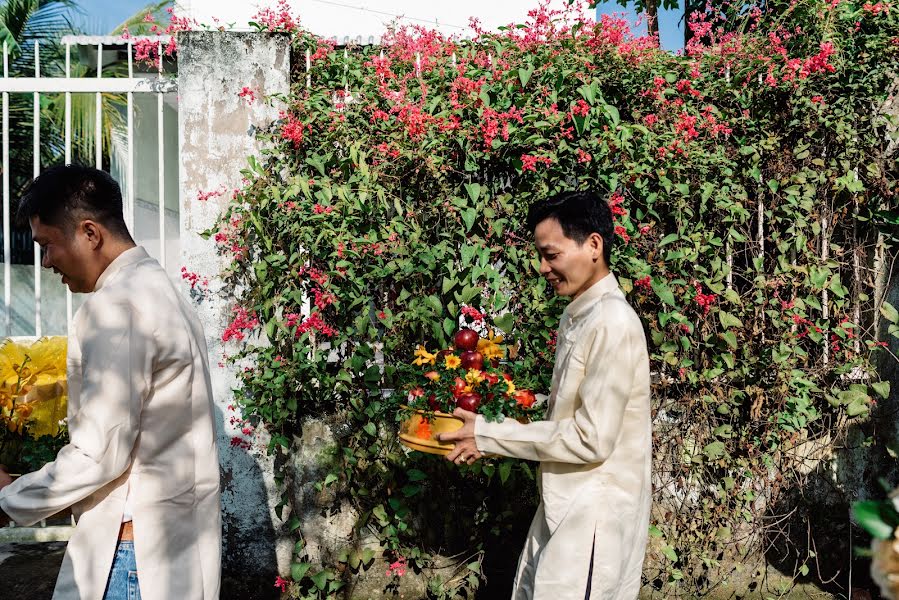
(579, 214)
(65, 194)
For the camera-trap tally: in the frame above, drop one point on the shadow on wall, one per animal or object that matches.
(244, 542)
(811, 523)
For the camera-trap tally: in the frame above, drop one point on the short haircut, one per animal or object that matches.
(579, 214)
(65, 194)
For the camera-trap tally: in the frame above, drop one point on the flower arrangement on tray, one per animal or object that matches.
(472, 374)
(33, 398)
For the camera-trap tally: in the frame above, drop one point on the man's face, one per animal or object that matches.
(68, 254)
(571, 268)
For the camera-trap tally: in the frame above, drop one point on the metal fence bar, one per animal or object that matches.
(129, 211)
(98, 141)
(7, 245)
(68, 161)
(160, 128)
(109, 85)
(36, 172)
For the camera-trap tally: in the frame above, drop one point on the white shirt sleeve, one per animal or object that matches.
(591, 434)
(116, 370)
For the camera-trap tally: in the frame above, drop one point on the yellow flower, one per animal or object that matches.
(490, 346)
(423, 357)
(474, 377)
(510, 387)
(452, 361)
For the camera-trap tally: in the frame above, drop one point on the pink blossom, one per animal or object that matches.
(248, 94)
(397, 568)
(242, 321)
(472, 313)
(278, 19)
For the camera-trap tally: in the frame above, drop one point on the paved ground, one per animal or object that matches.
(28, 572)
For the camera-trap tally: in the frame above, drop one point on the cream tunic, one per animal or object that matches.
(594, 451)
(140, 417)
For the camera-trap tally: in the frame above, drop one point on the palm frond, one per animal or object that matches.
(136, 24)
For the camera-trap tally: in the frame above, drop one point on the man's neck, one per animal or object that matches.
(111, 251)
(594, 279)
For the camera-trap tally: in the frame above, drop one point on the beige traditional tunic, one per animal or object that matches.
(594, 451)
(141, 426)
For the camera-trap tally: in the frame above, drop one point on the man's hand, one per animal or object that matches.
(466, 451)
(5, 480)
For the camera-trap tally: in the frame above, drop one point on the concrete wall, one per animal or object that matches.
(216, 134)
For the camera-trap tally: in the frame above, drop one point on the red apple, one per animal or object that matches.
(466, 340)
(472, 360)
(459, 387)
(469, 401)
(525, 398)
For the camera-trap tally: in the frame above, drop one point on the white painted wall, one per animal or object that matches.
(366, 19)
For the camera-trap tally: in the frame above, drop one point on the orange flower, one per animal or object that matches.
(525, 398)
(424, 430)
(452, 361)
(423, 357)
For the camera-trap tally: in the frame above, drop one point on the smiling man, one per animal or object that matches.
(141, 469)
(589, 535)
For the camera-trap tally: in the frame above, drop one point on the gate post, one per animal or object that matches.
(216, 133)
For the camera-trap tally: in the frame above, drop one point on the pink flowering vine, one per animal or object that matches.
(241, 322)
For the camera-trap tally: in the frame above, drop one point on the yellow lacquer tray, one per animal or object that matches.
(419, 432)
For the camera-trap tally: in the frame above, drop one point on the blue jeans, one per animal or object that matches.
(122, 584)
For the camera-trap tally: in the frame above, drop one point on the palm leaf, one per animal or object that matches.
(136, 25)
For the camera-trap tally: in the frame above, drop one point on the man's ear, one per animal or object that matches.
(93, 232)
(594, 241)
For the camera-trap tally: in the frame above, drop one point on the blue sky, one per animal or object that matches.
(670, 31)
(102, 16)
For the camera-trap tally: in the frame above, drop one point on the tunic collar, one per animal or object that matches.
(128, 257)
(582, 303)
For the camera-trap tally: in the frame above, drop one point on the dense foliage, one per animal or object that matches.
(753, 192)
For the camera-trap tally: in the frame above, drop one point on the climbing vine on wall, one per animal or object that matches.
(753, 193)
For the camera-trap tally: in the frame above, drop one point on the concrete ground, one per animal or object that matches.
(28, 572)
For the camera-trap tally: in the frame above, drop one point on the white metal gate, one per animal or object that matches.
(50, 300)
(135, 84)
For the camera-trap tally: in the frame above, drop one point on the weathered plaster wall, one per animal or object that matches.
(216, 133)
